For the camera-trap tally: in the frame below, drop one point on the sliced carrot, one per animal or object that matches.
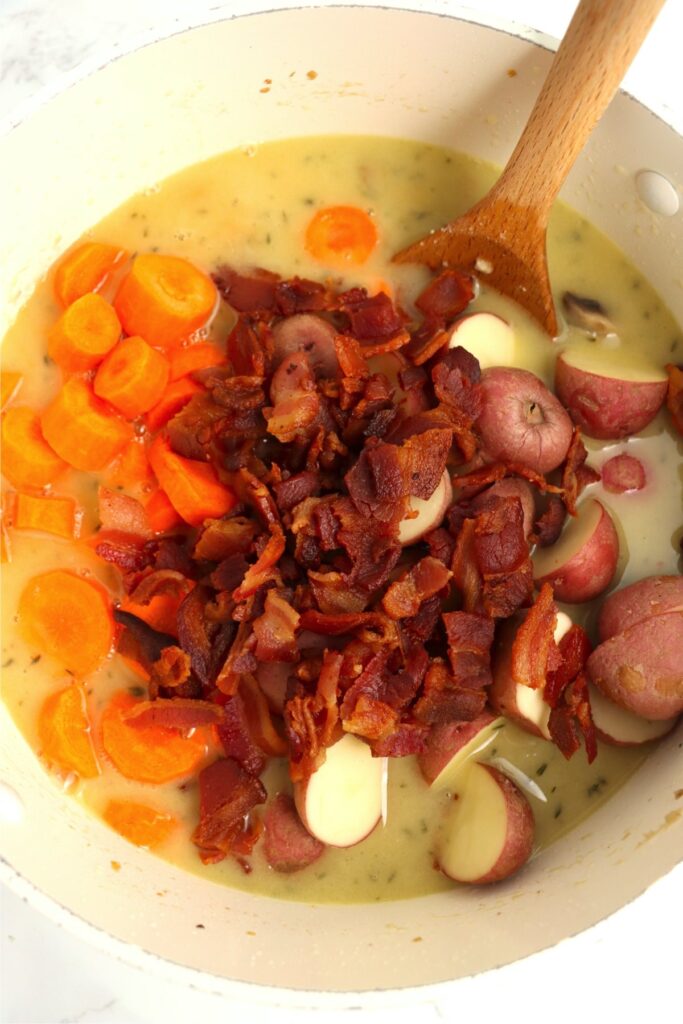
(192, 487)
(27, 458)
(131, 468)
(85, 269)
(161, 515)
(64, 733)
(50, 515)
(165, 299)
(10, 382)
(199, 356)
(139, 823)
(161, 613)
(341, 235)
(148, 753)
(84, 333)
(82, 430)
(176, 395)
(68, 618)
(132, 377)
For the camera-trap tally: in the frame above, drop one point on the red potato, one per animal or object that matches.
(450, 744)
(430, 512)
(516, 701)
(621, 728)
(510, 487)
(489, 833)
(582, 562)
(631, 605)
(521, 420)
(287, 845)
(487, 337)
(604, 405)
(623, 473)
(341, 802)
(641, 669)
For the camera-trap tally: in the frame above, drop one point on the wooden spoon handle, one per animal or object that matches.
(600, 43)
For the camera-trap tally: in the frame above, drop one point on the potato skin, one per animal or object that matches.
(605, 407)
(627, 607)
(641, 668)
(519, 840)
(446, 740)
(521, 420)
(591, 569)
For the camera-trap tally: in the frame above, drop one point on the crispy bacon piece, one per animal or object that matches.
(139, 641)
(221, 538)
(262, 571)
(441, 545)
(403, 598)
(206, 642)
(534, 642)
(469, 647)
(334, 595)
(501, 551)
(236, 737)
(240, 659)
(253, 293)
(161, 581)
(335, 624)
(576, 475)
(180, 713)
(124, 550)
(350, 357)
(548, 526)
(426, 341)
(574, 648)
(446, 296)
(295, 489)
(311, 720)
(250, 347)
(464, 567)
(674, 395)
(296, 403)
(171, 671)
(372, 318)
(288, 846)
(299, 295)
(275, 630)
(456, 376)
(227, 794)
(445, 700)
(407, 738)
(571, 717)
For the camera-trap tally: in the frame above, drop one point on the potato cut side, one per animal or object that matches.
(489, 832)
(430, 511)
(582, 562)
(487, 337)
(341, 802)
(451, 744)
(612, 365)
(622, 728)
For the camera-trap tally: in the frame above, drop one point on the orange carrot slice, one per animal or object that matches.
(192, 487)
(176, 395)
(139, 823)
(165, 299)
(27, 458)
(161, 515)
(64, 733)
(148, 753)
(200, 356)
(131, 468)
(132, 377)
(49, 515)
(340, 235)
(82, 430)
(10, 382)
(68, 618)
(85, 269)
(84, 333)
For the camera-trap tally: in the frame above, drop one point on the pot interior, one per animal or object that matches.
(145, 116)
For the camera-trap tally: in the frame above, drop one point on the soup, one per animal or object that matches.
(251, 208)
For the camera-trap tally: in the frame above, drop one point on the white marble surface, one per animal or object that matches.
(626, 968)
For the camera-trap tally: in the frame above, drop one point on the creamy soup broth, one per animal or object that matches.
(250, 207)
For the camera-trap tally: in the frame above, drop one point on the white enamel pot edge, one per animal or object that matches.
(270, 944)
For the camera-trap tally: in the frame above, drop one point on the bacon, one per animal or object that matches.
(171, 671)
(126, 551)
(158, 582)
(229, 573)
(299, 295)
(335, 624)
(240, 659)
(446, 296)
(296, 403)
(571, 718)
(255, 493)
(196, 634)
(403, 598)
(420, 627)
(236, 738)
(311, 721)
(295, 489)
(445, 700)
(465, 569)
(456, 377)
(250, 348)
(253, 293)
(179, 713)
(469, 647)
(574, 648)
(227, 794)
(534, 641)
(408, 738)
(548, 526)
(575, 475)
(288, 846)
(275, 630)
(139, 641)
(262, 571)
(310, 335)
(674, 395)
(221, 538)
(386, 473)
(372, 719)
(333, 594)
(426, 341)
(372, 318)
(350, 357)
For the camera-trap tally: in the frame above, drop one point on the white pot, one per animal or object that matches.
(130, 125)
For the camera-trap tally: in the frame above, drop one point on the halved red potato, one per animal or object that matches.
(521, 420)
(450, 744)
(626, 607)
(430, 512)
(341, 802)
(582, 561)
(522, 704)
(641, 668)
(602, 402)
(511, 487)
(489, 833)
(487, 337)
(621, 728)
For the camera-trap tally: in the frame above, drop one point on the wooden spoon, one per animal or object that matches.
(504, 235)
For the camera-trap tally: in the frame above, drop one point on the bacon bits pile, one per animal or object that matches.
(301, 614)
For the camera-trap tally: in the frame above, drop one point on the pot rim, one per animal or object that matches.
(94, 936)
